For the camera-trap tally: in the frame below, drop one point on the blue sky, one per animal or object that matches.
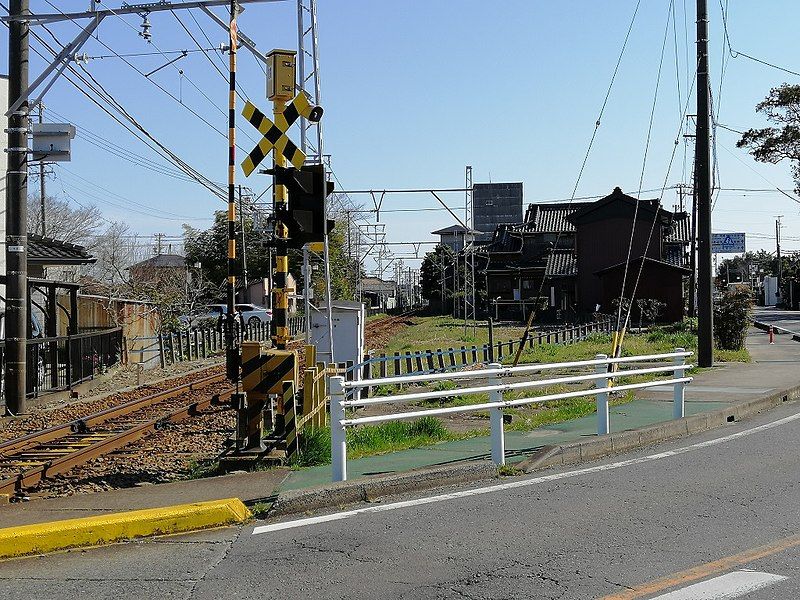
(415, 90)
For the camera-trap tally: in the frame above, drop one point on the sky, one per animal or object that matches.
(415, 90)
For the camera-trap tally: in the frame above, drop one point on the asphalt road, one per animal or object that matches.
(714, 511)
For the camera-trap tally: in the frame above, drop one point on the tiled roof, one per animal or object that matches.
(48, 251)
(551, 218)
(680, 231)
(163, 261)
(561, 262)
(450, 230)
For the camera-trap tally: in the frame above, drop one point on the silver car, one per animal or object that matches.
(253, 315)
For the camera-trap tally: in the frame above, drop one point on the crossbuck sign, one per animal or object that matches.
(275, 133)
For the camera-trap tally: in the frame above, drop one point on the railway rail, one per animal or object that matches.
(32, 458)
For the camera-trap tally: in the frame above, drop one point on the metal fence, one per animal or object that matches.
(58, 363)
(440, 360)
(196, 343)
(603, 373)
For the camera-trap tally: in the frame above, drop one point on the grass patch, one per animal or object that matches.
(395, 435)
(430, 333)
(369, 440)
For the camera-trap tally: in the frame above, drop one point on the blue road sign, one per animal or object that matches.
(727, 243)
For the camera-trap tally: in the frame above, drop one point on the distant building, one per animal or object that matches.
(453, 236)
(495, 204)
(570, 258)
(162, 269)
(379, 293)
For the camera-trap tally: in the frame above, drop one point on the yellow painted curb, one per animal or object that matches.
(105, 529)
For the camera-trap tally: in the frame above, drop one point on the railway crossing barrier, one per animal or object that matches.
(604, 373)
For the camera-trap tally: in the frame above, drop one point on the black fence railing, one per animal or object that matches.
(58, 363)
(197, 343)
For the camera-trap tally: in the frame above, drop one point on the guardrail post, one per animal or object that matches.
(338, 433)
(496, 420)
(679, 389)
(602, 397)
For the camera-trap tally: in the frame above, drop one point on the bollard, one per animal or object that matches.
(601, 399)
(679, 389)
(338, 433)
(496, 420)
(771, 335)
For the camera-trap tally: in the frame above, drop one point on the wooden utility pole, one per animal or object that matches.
(17, 213)
(702, 184)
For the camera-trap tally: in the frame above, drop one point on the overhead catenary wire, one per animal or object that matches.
(134, 127)
(151, 80)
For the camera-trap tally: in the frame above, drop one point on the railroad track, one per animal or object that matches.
(27, 460)
(381, 325)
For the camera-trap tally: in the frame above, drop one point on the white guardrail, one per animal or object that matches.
(604, 375)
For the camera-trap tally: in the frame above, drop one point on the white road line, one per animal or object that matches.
(730, 585)
(521, 483)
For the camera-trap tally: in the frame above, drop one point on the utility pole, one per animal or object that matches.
(702, 177)
(17, 212)
(41, 175)
(778, 250)
(231, 351)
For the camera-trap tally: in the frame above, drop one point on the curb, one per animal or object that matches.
(371, 489)
(778, 330)
(105, 529)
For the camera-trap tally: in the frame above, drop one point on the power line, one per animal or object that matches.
(738, 53)
(152, 81)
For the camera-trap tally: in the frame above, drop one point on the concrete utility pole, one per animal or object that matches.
(778, 250)
(17, 212)
(41, 176)
(702, 175)
(231, 348)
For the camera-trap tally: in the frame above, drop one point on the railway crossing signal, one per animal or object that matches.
(275, 133)
(305, 216)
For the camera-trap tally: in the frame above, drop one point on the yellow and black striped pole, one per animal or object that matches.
(231, 351)
(280, 295)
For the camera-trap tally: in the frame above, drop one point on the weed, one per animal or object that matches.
(259, 510)
(314, 448)
(508, 471)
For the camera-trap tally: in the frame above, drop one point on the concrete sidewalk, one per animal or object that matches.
(714, 388)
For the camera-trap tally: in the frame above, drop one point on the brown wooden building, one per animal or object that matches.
(572, 257)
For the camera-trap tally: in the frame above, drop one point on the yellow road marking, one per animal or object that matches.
(707, 569)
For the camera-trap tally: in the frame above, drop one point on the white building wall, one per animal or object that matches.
(4, 167)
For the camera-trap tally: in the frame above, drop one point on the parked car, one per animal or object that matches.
(211, 314)
(253, 315)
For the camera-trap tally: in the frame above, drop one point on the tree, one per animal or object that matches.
(209, 247)
(76, 225)
(437, 287)
(773, 144)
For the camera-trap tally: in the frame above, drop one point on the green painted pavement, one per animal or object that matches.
(637, 413)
